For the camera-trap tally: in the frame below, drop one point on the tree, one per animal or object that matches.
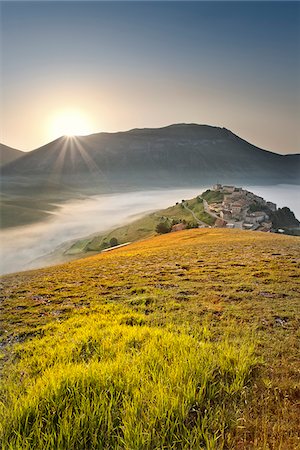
(191, 225)
(113, 242)
(163, 227)
(104, 245)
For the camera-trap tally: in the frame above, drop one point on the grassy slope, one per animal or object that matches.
(152, 345)
(143, 227)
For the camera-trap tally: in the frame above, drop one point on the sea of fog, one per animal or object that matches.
(23, 247)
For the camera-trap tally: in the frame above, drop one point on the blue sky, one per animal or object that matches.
(123, 65)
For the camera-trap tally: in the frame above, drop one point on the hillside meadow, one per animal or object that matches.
(144, 226)
(183, 341)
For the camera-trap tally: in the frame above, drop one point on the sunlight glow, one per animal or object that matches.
(70, 123)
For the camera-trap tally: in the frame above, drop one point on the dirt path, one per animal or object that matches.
(208, 211)
(199, 222)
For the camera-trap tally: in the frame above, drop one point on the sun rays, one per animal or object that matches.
(71, 156)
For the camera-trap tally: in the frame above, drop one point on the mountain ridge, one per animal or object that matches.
(188, 151)
(143, 130)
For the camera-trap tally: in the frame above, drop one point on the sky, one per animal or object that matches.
(86, 67)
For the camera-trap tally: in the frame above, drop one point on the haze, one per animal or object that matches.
(21, 246)
(119, 65)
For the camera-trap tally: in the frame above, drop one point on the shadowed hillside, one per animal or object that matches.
(144, 157)
(8, 154)
(187, 340)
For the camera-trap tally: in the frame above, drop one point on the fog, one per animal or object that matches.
(22, 246)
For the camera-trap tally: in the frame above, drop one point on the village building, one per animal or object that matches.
(220, 223)
(236, 208)
(235, 196)
(230, 225)
(248, 226)
(178, 227)
(239, 224)
(256, 217)
(215, 207)
(227, 199)
(228, 189)
(226, 214)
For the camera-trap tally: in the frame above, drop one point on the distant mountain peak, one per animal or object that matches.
(176, 153)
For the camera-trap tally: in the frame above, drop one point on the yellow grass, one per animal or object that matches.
(187, 340)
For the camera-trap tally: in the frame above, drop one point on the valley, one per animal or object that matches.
(26, 247)
(78, 228)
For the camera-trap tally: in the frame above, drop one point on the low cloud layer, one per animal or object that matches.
(22, 246)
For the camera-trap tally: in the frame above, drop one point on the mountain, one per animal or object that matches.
(182, 155)
(173, 343)
(9, 154)
(172, 155)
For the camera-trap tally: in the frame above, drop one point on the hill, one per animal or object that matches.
(184, 211)
(175, 154)
(9, 154)
(201, 211)
(186, 340)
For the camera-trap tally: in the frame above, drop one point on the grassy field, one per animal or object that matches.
(184, 341)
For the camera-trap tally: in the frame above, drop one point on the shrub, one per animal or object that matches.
(163, 227)
(113, 242)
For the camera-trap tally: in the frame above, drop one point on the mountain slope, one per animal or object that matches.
(152, 345)
(182, 153)
(9, 154)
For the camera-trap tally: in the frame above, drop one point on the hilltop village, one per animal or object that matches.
(235, 207)
(240, 209)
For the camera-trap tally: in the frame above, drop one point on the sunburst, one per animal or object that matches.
(70, 123)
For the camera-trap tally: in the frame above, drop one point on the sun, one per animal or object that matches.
(70, 123)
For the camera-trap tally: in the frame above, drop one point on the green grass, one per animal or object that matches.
(213, 196)
(187, 340)
(104, 382)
